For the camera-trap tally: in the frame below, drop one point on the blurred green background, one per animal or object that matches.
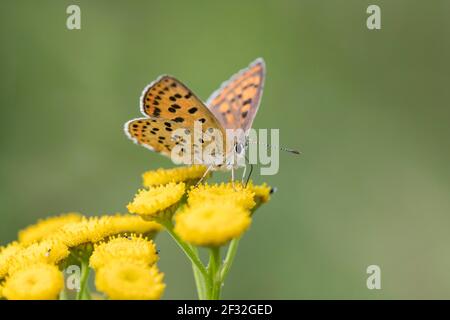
(369, 109)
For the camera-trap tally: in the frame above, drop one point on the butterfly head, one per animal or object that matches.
(239, 149)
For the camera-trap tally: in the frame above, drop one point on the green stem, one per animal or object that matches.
(199, 283)
(84, 293)
(214, 271)
(63, 294)
(188, 250)
(231, 253)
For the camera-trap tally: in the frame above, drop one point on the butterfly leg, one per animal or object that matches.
(243, 174)
(204, 175)
(232, 178)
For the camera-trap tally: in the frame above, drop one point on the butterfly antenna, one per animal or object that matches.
(288, 150)
(293, 151)
(249, 175)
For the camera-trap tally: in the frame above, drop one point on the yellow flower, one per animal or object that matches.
(130, 281)
(95, 229)
(6, 254)
(222, 193)
(210, 224)
(135, 248)
(134, 224)
(43, 228)
(49, 251)
(157, 202)
(88, 230)
(37, 282)
(262, 192)
(189, 175)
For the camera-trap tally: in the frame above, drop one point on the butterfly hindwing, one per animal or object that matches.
(236, 102)
(172, 139)
(151, 133)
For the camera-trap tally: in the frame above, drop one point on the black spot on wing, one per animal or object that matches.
(248, 101)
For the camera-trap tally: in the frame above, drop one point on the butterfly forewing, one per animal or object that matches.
(168, 98)
(173, 114)
(236, 102)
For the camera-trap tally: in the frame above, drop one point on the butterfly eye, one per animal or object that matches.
(239, 148)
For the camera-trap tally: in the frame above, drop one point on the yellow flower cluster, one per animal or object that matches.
(45, 245)
(44, 227)
(157, 202)
(188, 175)
(95, 229)
(125, 269)
(124, 256)
(213, 215)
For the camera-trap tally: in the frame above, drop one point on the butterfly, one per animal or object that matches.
(172, 112)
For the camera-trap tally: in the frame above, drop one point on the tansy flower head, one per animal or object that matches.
(88, 230)
(37, 282)
(222, 193)
(43, 228)
(189, 175)
(129, 281)
(49, 251)
(134, 224)
(211, 224)
(95, 229)
(6, 254)
(157, 202)
(134, 248)
(262, 192)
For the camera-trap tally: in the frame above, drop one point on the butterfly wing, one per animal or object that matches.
(150, 133)
(170, 106)
(168, 98)
(236, 102)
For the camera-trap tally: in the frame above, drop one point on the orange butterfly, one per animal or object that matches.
(171, 109)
